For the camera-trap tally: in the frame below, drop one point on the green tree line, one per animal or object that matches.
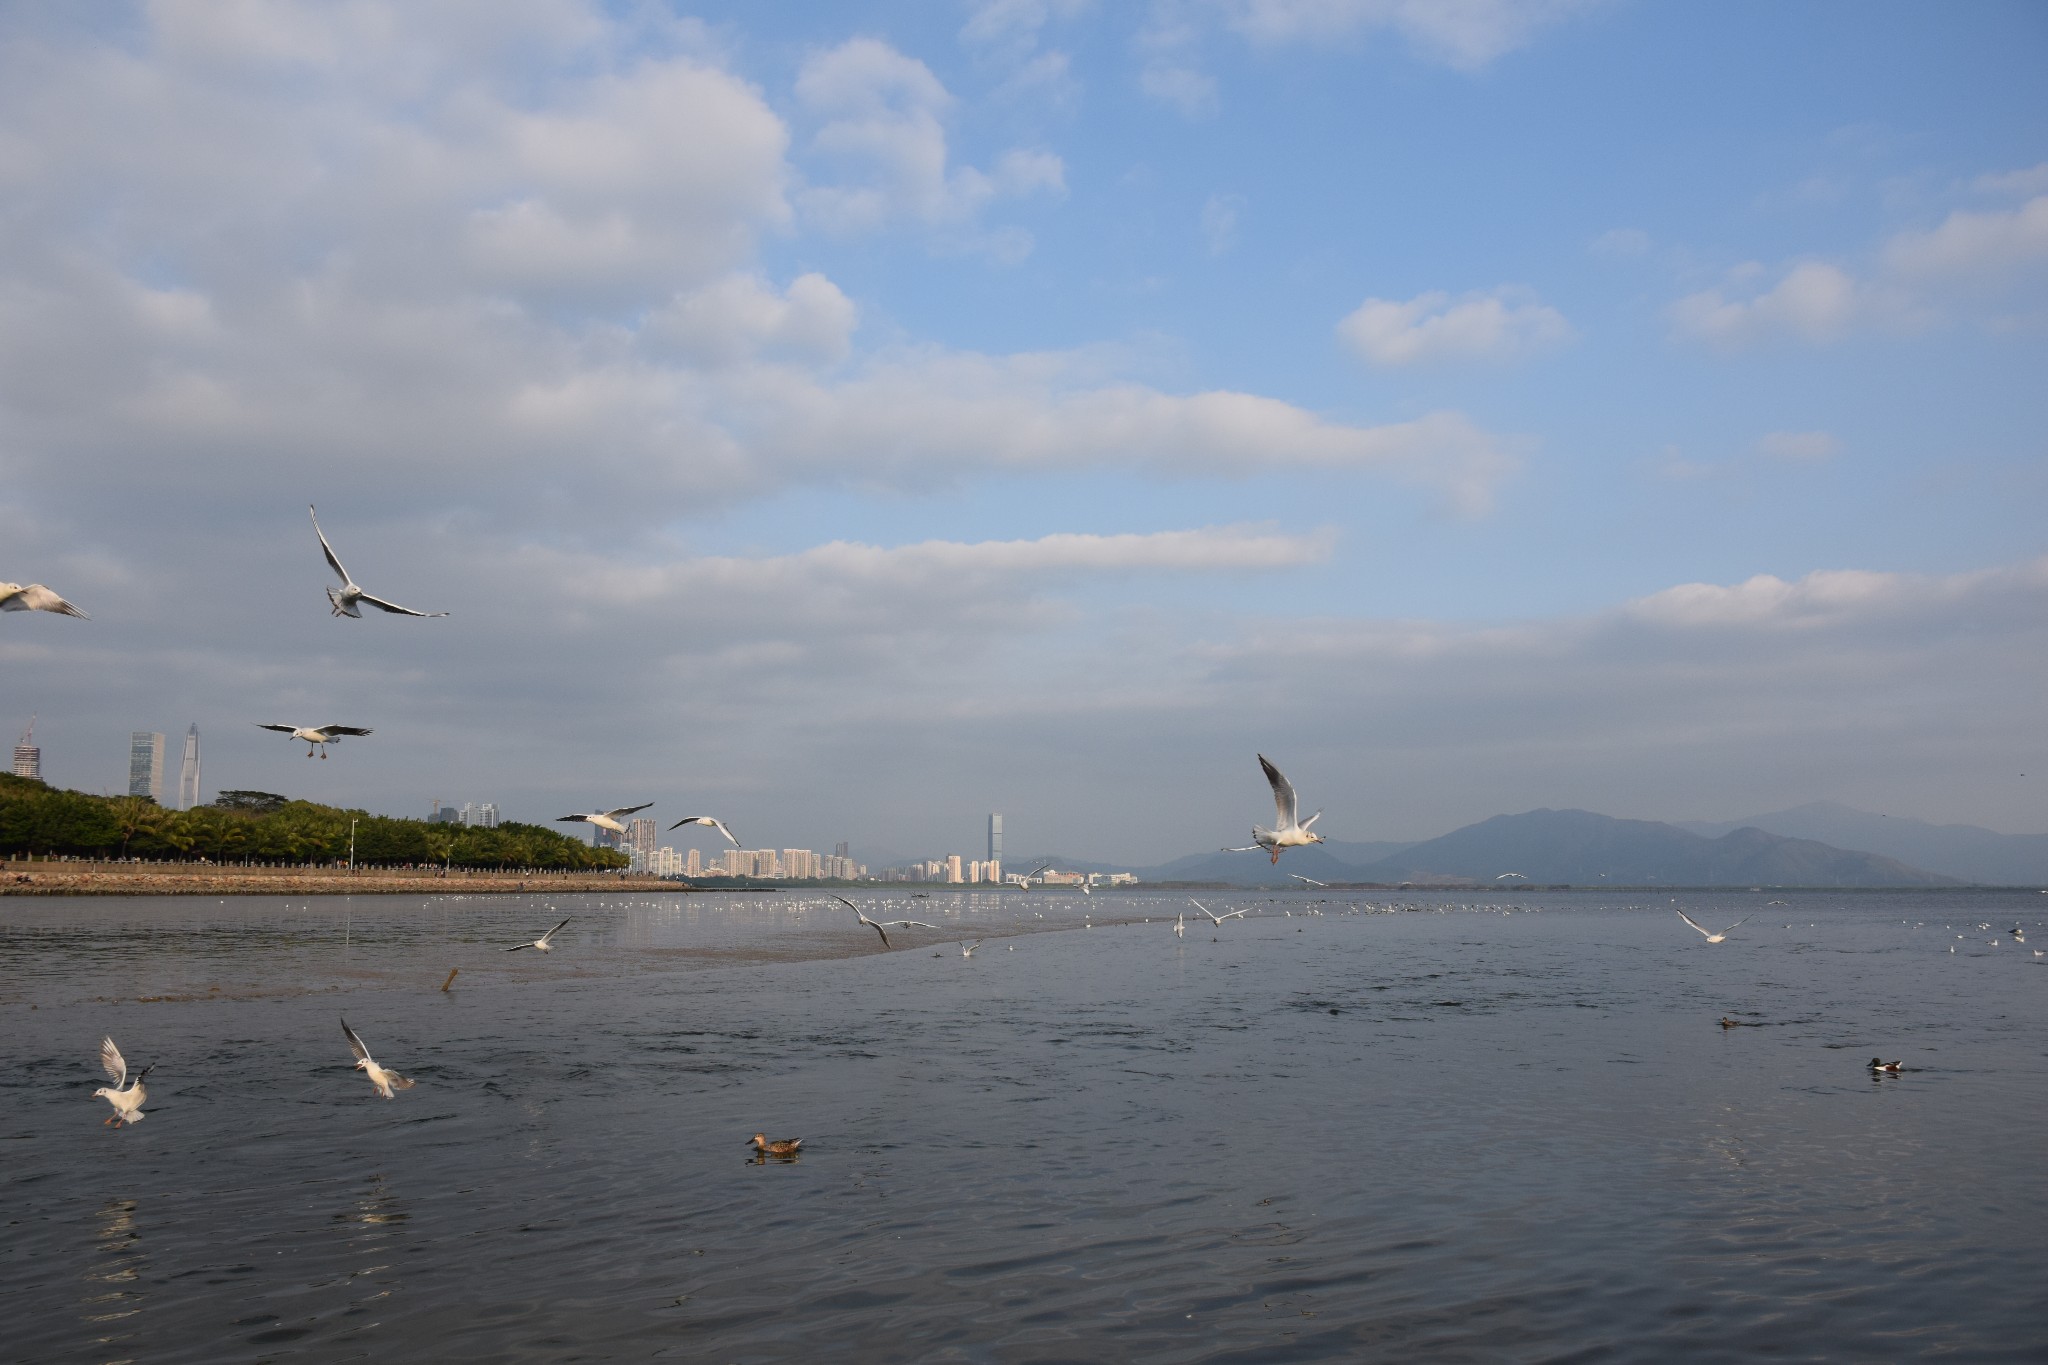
(43, 820)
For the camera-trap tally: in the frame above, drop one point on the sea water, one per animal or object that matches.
(1463, 1126)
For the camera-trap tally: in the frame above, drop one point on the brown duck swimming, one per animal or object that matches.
(779, 1147)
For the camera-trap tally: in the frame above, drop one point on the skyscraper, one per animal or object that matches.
(188, 771)
(995, 838)
(28, 759)
(146, 765)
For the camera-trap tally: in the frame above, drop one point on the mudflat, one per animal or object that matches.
(51, 878)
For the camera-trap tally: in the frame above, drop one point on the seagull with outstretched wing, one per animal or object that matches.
(1708, 934)
(125, 1095)
(1289, 829)
(884, 926)
(710, 820)
(603, 819)
(315, 736)
(346, 597)
(1309, 880)
(36, 597)
(542, 942)
(385, 1081)
(1213, 916)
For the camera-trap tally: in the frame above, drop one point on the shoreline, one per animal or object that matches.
(189, 879)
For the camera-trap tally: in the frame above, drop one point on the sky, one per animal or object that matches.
(852, 420)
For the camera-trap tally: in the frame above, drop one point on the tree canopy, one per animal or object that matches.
(40, 819)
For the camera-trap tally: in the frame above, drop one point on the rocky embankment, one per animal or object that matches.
(42, 878)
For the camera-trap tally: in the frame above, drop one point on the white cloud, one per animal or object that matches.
(1984, 245)
(882, 121)
(1800, 445)
(1185, 88)
(1621, 242)
(2024, 183)
(740, 316)
(1219, 221)
(1466, 34)
(1505, 324)
(1813, 300)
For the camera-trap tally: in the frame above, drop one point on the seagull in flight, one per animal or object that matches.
(606, 819)
(1213, 916)
(542, 942)
(348, 594)
(1310, 880)
(1708, 934)
(1180, 925)
(36, 597)
(967, 949)
(710, 820)
(385, 1081)
(884, 926)
(316, 736)
(1520, 877)
(126, 1096)
(1024, 882)
(1289, 831)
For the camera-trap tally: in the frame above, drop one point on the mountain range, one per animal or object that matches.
(1581, 848)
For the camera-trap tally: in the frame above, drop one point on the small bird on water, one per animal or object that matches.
(779, 1147)
(124, 1095)
(1878, 1064)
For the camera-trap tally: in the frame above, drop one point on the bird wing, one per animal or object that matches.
(36, 597)
(848, 904)
(1284, 803)
(628, 810)
(1694, 923)
(1738, 924)
(561, 818)
(710, 820)
(328, 550)
(556, 930)
(876, 927)
(1232, 915)
(906, 924)
(394, 608)
(355, 1044)
(343, 730)
(284, 729)
(516, 949)
(113, 1063)
(1248, 848)
(1203, 908)
(1310, 880)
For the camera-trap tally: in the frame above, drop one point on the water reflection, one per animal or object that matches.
(113, 1277)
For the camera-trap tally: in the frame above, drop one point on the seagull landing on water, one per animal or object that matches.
(348, 594)
(1310, 880)
(385, 1081)
(126, 1096)
(1708, 934)
(316, 736)
(36, 597)
(541, 942)
(710, 820)
(886, 925)
(967, 949)
(1289, 831)
(604, 819)
(1213, 916)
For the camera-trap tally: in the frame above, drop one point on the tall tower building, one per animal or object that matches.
(188, 771)
(28, 759)
(995, 846)
(146, 765)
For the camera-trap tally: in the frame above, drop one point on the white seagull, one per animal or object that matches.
(36, 597)
(1213, 916)
(1516, 875)
(348, 594)
(605, 819)
(316, 736)
(1310, 880)
(126, 1096)
(967, 949)
(1023, 883)
(1709, 935)
(542, 942)
(1180, 925)
(884, 926)
(1289, 830)
(385, 1081)
(710, 820)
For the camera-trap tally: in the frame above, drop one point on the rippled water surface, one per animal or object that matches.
(1343, 1127)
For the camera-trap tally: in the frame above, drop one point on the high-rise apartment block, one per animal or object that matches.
(480, 814)
(146, 765)
(188, 771)
(28, 759)
(640, 837)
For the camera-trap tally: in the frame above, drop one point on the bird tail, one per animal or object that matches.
(342, 608)
(133, 1116)
(398, 1082)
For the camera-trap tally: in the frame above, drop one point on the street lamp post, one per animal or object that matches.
(351, 846)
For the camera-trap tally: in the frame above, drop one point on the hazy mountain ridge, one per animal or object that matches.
(1969, 852)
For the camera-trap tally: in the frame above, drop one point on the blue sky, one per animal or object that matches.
(846, 419)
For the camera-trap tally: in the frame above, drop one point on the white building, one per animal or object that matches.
(146, 765)
(188, 771)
